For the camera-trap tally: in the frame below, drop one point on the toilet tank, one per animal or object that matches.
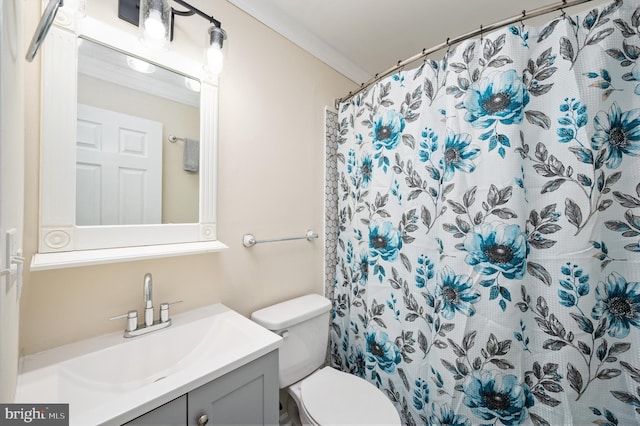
(303, 323)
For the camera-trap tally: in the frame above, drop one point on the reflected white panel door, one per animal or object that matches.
(118, 168)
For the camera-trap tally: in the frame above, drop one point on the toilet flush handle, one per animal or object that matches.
(203, 420)
(284, 334)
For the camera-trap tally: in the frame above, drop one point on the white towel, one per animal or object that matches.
(191, 156)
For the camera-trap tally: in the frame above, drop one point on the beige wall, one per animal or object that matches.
(179, 188)
(270, 175)
(11, 182)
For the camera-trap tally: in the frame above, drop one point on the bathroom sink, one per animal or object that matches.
(110, 379)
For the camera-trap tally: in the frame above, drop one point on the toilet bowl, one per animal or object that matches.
(323, 396)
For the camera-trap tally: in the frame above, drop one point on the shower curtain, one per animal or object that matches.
(488, 257)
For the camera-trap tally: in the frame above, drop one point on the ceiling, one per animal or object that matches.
(360, 38)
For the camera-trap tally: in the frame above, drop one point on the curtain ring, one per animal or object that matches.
(481, 34)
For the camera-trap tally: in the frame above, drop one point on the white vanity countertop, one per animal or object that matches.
(111, 380)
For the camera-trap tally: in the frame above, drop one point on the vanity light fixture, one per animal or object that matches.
(214, 57)
(156, 20)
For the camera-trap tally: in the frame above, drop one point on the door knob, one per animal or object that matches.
(203, 420)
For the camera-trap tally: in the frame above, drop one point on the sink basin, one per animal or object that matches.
(110, 379)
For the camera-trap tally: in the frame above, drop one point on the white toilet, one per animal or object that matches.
(323, 396)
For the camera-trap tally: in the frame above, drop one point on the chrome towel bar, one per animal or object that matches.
(248, 240)
(174, 139)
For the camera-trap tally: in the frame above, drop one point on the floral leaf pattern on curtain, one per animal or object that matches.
(489, 228)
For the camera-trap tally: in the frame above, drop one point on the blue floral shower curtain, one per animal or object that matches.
(489, 228)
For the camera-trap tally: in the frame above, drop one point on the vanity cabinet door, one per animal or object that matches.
(248, 396)
(173, 413)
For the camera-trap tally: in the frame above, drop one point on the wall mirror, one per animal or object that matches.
(116, 192)
(137, 141)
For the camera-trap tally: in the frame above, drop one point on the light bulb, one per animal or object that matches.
(153, 27)
(215, 60)
(154, 30)
(140, 65)
(191, 84)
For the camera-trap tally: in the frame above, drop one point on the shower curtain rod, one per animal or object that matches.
(451, 41)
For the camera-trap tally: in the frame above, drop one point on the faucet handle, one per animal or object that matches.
(132, 320)
(164, 310)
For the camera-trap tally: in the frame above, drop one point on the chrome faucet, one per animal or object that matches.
(133, 329)
(148, 302)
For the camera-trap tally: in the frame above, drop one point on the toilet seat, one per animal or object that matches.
(330, 396)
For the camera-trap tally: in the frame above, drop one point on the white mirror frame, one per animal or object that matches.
(62, 243)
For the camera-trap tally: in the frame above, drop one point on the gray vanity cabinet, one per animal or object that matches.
(247, 395)
(173, 413)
